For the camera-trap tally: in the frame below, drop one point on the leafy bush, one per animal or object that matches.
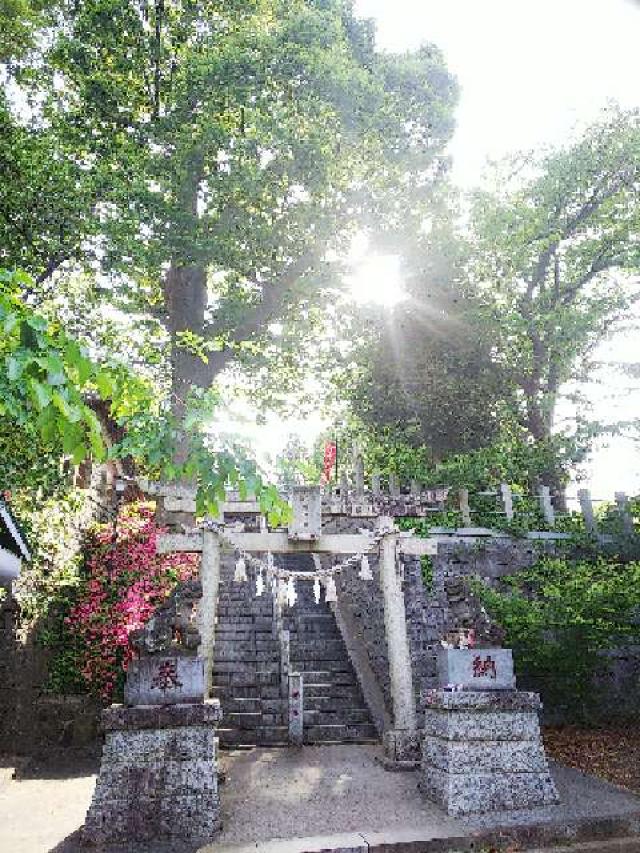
(122, 582)
(560, 617)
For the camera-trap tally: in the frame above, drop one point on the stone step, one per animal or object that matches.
(239, 691)
(326, 683)
(229, 630)
(229, 673)
(249, 720)
(245, 615)
(345, 717)
(319, 649)
(249, 621)
(245, 607)
(327, 667)
(329, 703)
(313, 637)
(262, 736)
(314, 621)
(246, 652)
(340, 692)
(355, 733)
(239, 704)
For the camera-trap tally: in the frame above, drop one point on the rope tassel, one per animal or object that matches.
(365, 573)
(292, 595)
(259, 584)
(330, 593)
(240, 574)
(316, 589)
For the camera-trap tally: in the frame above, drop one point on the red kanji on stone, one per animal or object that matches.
(484, 668)
(166, 676)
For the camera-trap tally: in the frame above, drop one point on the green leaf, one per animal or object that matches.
(56, 374)
(14, 368)
(105, 384)
(37, 323)
(10, 322)
(41, 392)
(80, 453)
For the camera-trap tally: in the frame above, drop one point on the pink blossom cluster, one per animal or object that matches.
(125, 582)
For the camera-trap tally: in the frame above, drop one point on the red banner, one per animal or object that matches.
(330, 455)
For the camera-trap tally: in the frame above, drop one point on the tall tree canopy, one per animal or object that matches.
(207, 155)
(426, 375)
(557, 259)
(508, 308)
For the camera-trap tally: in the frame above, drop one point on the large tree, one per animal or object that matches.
(556, 252)
(219, 150)
(503, 314)
(426, 375)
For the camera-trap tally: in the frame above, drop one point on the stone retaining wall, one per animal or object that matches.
(32, 721)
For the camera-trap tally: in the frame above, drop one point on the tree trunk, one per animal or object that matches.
(186, 303)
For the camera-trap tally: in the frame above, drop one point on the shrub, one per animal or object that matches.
(122, 582)
(561, 616)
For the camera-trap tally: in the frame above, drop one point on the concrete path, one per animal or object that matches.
(287, 793)
(319, 799)
(37, 813)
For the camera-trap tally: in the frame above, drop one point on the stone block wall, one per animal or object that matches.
(363, 599)
(617, 690)
(425, 609)
(32, 721)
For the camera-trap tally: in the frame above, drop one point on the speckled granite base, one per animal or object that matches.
(402, 749)
(483, 752)
(158, 776)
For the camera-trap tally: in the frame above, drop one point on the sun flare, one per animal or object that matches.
(377, 280)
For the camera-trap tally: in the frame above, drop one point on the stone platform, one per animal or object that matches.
(158, 777)
(483, 752)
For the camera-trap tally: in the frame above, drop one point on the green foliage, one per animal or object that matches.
(27, 463)
(54, 526)
(299, 465)
(428, 379)
(20, 21)
(460, 383)
(561, 615)
(44, 392)
(228, 143)
(45, 377)
(553, 250)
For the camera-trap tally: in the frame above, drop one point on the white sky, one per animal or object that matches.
(530, 72)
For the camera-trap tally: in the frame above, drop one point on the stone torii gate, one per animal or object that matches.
(305, 536)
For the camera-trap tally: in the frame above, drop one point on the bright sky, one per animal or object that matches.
(530, 72)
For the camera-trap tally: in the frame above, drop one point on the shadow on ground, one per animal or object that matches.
(293, 793)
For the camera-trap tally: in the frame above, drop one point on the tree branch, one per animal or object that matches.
(257, 316)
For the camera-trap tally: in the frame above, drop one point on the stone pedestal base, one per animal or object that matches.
(401, 749)
(158, 776)
(483, 752)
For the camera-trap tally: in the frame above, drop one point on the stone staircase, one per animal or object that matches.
(246, 667)
(334, 708)
(247, 670)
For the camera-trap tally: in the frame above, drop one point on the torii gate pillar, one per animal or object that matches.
(402, 743)
(210, 580)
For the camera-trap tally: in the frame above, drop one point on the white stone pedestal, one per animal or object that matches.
(482, 751)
